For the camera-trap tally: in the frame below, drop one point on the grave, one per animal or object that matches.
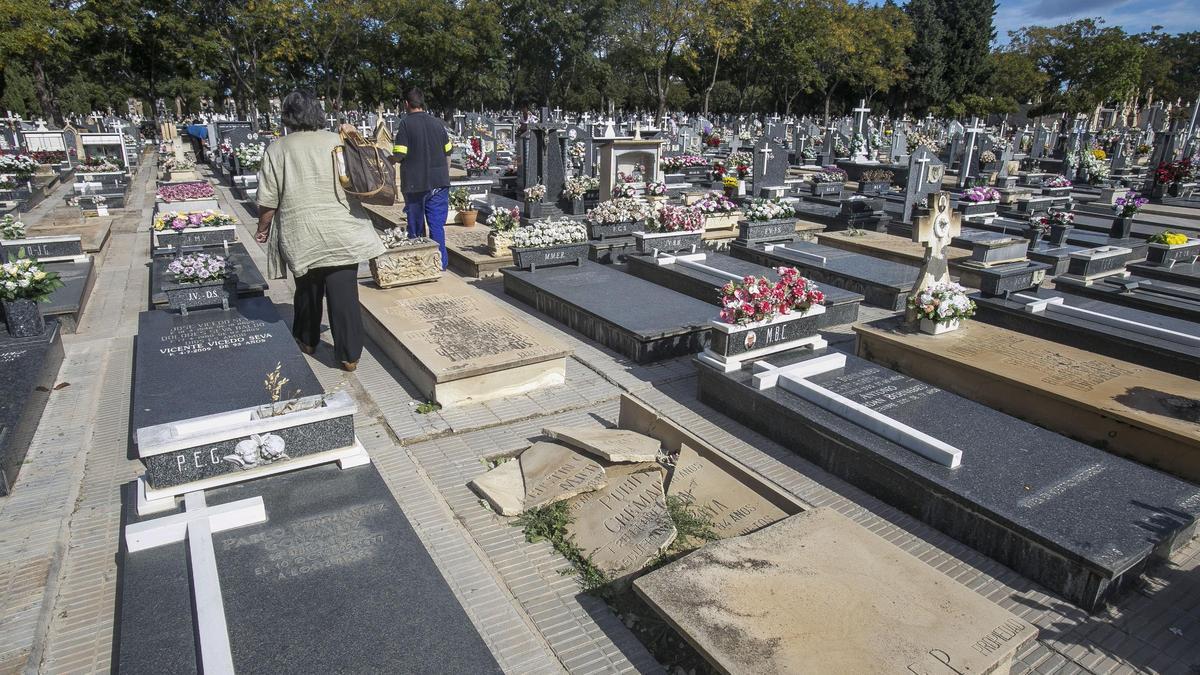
(459, 346)
(28, 369)
(854, 603)
(64, 256)
(622, 526)
(1165, 298)
(702, 276)
(881, 282)
(1184, 274)
(1021, 495)
(93, 232)
(1134, 335)
(889, 247)
(1147, 415)
(469, 254)
(312, 589)
(620, 311)
(250, 281)
(212, 361)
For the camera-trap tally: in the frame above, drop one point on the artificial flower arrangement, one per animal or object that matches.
(577, 153)
(249, 157)
(769, 209)
(179, 221)
(878, 176)
(944, 304)
(744, 135)
(808, 153)
(1169, 238)
(741, 162)
(656, 189)
(712, 140)
(730, 182)
(97, 166)
(757, 299)
(23, 166)
(624, 191)
(918, 139)
(578, 186)
(195, 268)
(987, 157)
(49, 156)
(715, 202)
(680, 162)
(829, 174)
(981, 194)
(673, 218)
(1096, 168)
(858, 145)
(1058, 181)
(718, 168)
(1129, 204)
(175, 164)
(178, 192)
(11, 228)
(1172, 172)
(476, 159)
(1041, 225)
(504, 220)
(25, 279)
(546, 233)
(620, 210)
(840, 149)
(535, 193)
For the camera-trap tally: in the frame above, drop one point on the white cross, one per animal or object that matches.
(558, 113)
(196, 526)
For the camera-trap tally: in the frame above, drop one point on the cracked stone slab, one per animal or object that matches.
(503, 487)
(553, 472)
(624, 525)
(613, 445)
(733, 507)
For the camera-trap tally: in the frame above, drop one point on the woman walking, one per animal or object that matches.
(309, 224)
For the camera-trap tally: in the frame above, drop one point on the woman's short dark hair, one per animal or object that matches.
(302, 112)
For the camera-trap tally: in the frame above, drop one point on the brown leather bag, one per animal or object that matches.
(364, 170)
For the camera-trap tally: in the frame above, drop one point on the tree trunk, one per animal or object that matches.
(44, 96)
(828, 96)
(713, 83)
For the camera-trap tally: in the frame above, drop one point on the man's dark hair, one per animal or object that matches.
(415, 98)
(302, 112)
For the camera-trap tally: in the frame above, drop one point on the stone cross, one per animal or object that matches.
(964, 170)
(196, 526)
(558, 113)
(936, 229)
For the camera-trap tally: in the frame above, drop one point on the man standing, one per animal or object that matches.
(422, 147)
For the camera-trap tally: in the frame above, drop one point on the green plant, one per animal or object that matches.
(460, 199)
(428, 407)
(549, 523)
(694, 528)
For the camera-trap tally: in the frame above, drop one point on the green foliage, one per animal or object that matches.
(694, 528)
(428, 407)
(549, 523)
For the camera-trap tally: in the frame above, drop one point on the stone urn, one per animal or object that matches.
(24, 318)
(931, 327)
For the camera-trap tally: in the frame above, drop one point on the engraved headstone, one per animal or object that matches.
(553, 472)
(732, 507)
(936, 229)
(624, 525)
(925, 174)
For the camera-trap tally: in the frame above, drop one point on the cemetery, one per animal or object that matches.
(744, 347)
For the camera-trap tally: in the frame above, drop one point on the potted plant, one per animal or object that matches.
(767, 220)
(656, 192)
(731, 185)
(1126, 208)
(23, 284)
(759, 316)
(618, 217)
(406, 261)
(198, 280)
(460, 201)
(1057, 186)
(978, 201)
(940, 307)
(574, 190)
(875, 182)
(828, 182)
(674, 228)
(1167, 248)
(549, 242)
(502, 223)
(193, 228)
(719, 211)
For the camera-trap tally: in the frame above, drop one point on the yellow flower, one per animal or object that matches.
(1100, 155)
(38, 276)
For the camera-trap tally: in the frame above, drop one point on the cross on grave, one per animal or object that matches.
(936, 228)
(331, 121)
(196, 526)
(558, 113)
(964, 171)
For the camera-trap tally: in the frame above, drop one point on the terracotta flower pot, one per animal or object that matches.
(468, 217)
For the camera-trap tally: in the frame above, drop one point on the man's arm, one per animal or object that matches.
(265, 216)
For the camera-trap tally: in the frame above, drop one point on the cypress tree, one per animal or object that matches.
(927, 85)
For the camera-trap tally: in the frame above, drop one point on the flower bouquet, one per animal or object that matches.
(941, 306)
(180, 192)
(618, 217)
(760, 317)
(199, 280)
(674, 228)
(656, 189)
(828, 181)
(549, 242)
(732, 185)
(977, 195)
(1167, 248)
(764, 210)
(23, 284)
(97, 166)
(475, 159)
(1057, 181)
(577, 187)
(987, 157)
(20, 165)
(1129, 204)
(11, 228)
(502, 222)
(535, 193)
(767, 220)
(875, 181)
(49, 156)
(624, 190)
(249, 157)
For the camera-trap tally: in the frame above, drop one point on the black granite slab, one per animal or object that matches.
(250, 282)
(1161, 297)
(336, 581)
(841, 306)
(632, 316)
(1075, 519)
(882, 283)
(1184, 274)
(39, 248)
(28, 368)
(67, 303)
(1101, 338)
(612, 250)
(212, 361)
(1057, 257)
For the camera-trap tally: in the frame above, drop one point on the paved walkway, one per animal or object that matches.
(59, 532)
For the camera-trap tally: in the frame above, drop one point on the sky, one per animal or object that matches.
(1135, 16)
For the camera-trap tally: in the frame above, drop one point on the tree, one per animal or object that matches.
(927, 84)
(721, 28)
(36, 33)
(651, 34)
(1085, 64)
(967, 44)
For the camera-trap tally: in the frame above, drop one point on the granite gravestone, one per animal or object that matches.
(250, 281)
(770, 166)
(925, 174)
(336, 580)
(28, 368)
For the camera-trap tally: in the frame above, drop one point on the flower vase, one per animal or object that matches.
(1058, 234)
(1175, 189)
(731, 192)
(24, 318)
(1120, 228)
(931, 327)
(575, 207)
(533, 210)
(1035, 236)
(468, 217)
